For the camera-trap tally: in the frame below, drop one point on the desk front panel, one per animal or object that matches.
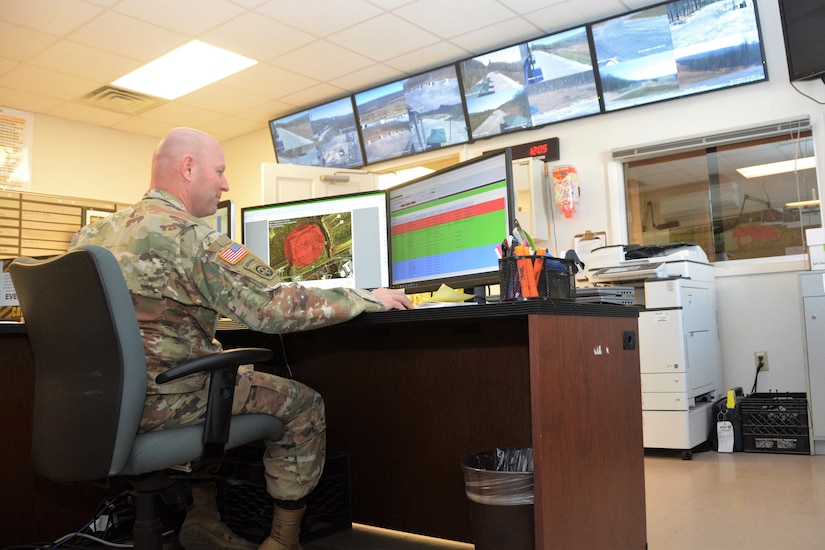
(407, 402)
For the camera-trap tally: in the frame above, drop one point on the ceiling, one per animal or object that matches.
(54, 54)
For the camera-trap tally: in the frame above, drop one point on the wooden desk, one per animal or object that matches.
(409, 393)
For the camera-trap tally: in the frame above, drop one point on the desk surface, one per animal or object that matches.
(458, 313)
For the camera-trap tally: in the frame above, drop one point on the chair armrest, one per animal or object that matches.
(216, 361)
(223, 369)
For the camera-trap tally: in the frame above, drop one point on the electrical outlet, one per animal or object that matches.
(763, 356)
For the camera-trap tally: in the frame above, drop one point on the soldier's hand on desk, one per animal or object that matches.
(393, 298)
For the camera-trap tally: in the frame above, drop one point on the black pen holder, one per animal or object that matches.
(549, 278)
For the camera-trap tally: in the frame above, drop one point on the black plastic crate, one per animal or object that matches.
(246, 507)
(775, 423)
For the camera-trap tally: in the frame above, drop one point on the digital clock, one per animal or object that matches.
(547, 150)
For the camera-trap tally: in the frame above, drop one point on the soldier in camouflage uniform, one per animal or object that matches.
(183, 276)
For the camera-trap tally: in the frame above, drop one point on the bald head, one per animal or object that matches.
(190, 165)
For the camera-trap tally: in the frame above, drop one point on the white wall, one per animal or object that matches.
(80, 160)
(757, 310)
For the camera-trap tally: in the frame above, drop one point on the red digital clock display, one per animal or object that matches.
(547, 150)
(538, 150)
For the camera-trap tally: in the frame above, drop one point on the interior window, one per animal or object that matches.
(749, 199)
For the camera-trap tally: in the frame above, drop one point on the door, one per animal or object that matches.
(288, 182)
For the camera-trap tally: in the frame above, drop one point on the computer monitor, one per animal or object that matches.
(223, 220)
(444, 227)
(326, 242)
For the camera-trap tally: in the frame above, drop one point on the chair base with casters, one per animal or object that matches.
(90, 386)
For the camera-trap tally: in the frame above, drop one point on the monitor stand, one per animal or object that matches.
(479, 294)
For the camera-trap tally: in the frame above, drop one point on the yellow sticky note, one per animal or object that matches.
(447, 294)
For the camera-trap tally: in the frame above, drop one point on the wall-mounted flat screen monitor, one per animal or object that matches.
(412, 115)
(223, 220)
(326, 242)
(326, 136)
(444, 227)
(561, 81)
(493, 86)
(677, 48)
(803, 24)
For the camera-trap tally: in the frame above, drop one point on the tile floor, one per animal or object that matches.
(719, 501)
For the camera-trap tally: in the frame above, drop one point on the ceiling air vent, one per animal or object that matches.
(121, 101)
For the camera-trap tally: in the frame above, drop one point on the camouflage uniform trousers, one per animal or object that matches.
(293, 465)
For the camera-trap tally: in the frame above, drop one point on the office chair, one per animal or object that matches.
(90, 385)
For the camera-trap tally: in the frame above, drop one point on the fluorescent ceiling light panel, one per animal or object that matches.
(762, 170)
(186, 69)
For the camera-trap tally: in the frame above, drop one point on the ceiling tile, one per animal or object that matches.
(448, 19)
(578, 13)
(366, 78)
(18, 42)
(128, 36)
(257, 36)
(177, 15)
(428, 57)
(268, 80)
(314, 96)
(526, 6)
(249, 4)
(6, 65)
(324, 18)
(142, 126)
(29, 78)
(222, 99)
(230, 127)
(27, 101)
(57, 18)
(507, 32)
(86, 114)
(384, 37)
(390, 4)
(267, 111)
(84, 61)
(322, 61)
(178, 114)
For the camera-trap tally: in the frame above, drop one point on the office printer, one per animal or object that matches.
(634, 263)
(679, 352)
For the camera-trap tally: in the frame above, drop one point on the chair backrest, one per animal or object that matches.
(90, 368)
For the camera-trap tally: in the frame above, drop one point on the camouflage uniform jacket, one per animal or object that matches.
(183, 276)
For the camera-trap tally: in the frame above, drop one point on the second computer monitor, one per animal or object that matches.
(444, 227)
(323, 242)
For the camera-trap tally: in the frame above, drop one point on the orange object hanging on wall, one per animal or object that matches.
(566, 189)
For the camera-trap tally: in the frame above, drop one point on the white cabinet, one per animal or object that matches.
(680, 360)
(812, 289)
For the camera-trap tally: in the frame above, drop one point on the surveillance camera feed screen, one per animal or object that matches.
(561, 83)
(677, 49)
(322, 136)
(327, 242)
(413, 115)
(531, 84)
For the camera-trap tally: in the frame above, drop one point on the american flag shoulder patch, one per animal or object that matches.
(233, 253)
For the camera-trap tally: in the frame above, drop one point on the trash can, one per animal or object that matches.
(499, 488)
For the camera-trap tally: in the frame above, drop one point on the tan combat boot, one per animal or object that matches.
(203, 530)
(286, 527)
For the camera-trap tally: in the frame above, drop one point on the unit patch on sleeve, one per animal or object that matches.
(233, 253)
